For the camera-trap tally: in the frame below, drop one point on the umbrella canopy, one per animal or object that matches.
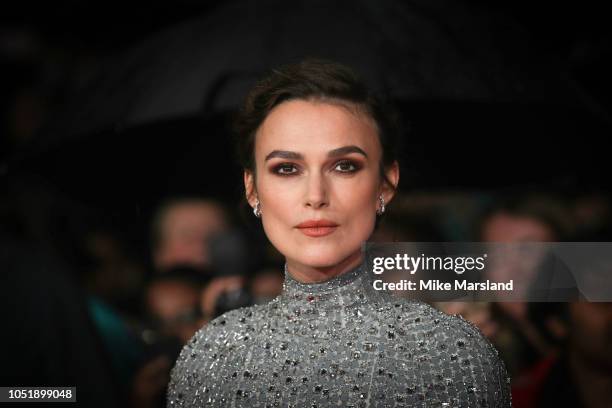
(146, 122)
(413, 50)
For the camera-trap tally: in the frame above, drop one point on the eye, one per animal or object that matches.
(285, 169)
(345, 166)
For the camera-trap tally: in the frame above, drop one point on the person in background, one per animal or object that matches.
(49, 337)
(514, 218)
(266, 284)
(579, 371)
(171, 305)
(181, 232)
(224, 293)
(522, 218)
(580, 374)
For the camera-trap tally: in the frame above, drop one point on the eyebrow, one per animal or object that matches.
(285, 154)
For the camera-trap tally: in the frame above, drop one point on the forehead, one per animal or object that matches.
(192, 210)
(315, 127)
(510, 226)
(192, 214)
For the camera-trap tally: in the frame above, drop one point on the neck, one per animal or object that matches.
(311, 274)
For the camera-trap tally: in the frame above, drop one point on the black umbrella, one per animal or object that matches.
(414, 50)
(145, 120)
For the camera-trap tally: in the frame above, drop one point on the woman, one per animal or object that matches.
(319, 168)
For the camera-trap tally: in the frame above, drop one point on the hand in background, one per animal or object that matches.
(150, 383)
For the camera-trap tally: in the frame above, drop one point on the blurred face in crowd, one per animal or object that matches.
(511, 228)
(518, 265)
(184, 233)
(318, 162)
(175, 307)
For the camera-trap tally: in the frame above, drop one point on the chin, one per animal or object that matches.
(320, 257)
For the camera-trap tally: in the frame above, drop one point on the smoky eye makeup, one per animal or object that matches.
(347, 166)
(342, 166)
(284, 169)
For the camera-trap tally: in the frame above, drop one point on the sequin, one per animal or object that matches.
(338, 343)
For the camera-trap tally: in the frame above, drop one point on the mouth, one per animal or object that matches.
(317, 228)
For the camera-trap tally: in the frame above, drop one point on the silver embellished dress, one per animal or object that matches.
(338, 343)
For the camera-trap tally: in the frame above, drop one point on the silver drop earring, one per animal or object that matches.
(381, 210)
(257, 209)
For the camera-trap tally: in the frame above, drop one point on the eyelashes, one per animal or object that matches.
(291, 169)
(346, 166)
(285, 169)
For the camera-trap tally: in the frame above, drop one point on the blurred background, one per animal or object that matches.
(123, 227)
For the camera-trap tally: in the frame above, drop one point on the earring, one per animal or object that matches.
(257, 209)
(381, 210)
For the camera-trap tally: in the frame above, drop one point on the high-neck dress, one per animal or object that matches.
(339, 343)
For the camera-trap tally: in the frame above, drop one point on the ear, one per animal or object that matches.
(392, 174)
(249, 187)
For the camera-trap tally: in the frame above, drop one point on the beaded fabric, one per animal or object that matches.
(338, 343)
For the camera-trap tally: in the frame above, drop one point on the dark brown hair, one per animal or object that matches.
(308, 80)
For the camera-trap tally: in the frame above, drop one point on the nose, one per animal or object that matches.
(316, 191)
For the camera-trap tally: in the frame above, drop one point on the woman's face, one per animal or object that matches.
(318, 162)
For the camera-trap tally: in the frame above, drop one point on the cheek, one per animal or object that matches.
(360, 222)
(275, 194)
(358, 195)
(356, 202)
(279, 203)
(353, 203)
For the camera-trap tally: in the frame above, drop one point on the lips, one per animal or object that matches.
(317, 228)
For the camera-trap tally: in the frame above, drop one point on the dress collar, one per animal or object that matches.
(293, 286)
(343, 293)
